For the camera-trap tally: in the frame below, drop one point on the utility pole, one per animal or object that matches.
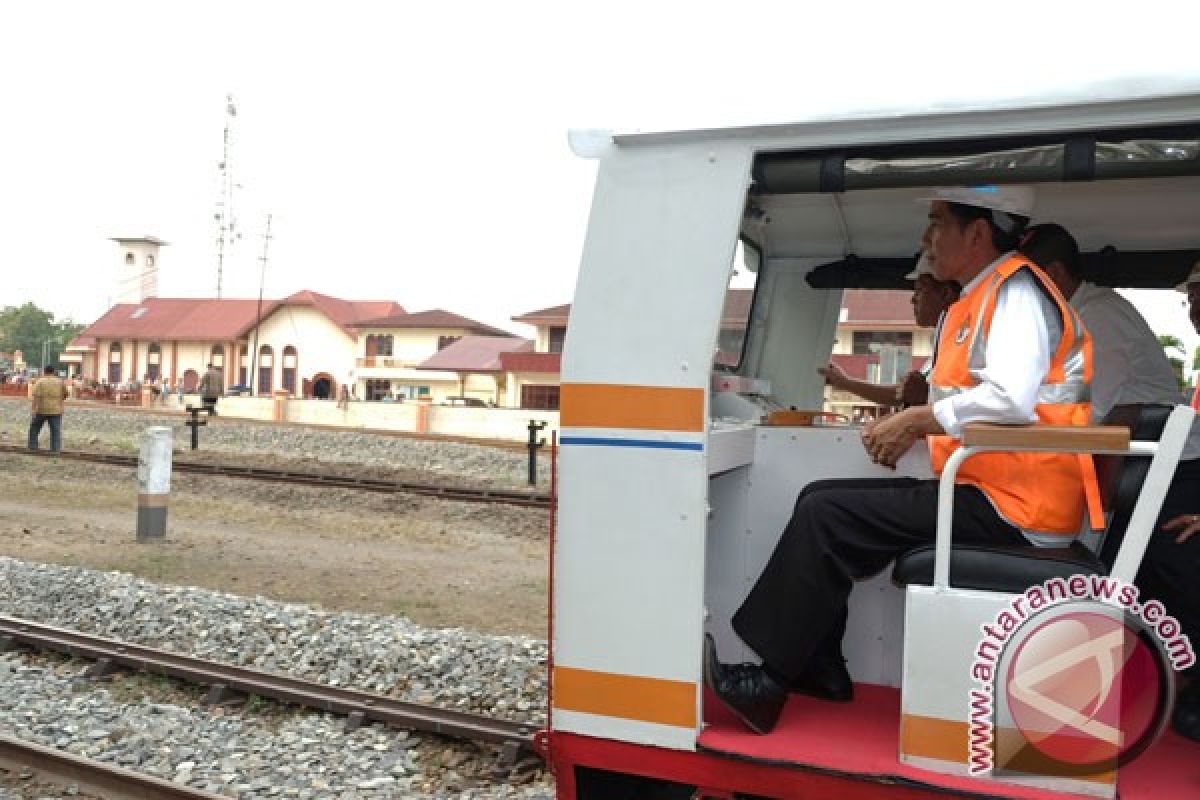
(225, 219)
(262, 279)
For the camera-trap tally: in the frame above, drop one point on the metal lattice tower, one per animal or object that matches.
(227, 232)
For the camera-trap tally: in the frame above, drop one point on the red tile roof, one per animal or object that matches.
(531, 362)
(476, 354)
(344, 313)
(433, 318)
(737, 308)
(82, 343)
(555, 315)
(878, 306)
(213, 319)
(179, 318)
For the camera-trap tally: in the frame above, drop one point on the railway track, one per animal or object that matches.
(514, 497)
(222, 679)
(94, 777)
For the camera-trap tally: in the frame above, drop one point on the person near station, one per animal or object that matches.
(930, 298)
(1010, 340)
(47, 397)
(1170, 570)
(211, 386)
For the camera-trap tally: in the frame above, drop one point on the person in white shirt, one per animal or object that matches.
(841, 531)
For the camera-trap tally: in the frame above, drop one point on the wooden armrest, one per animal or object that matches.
(1067, 437)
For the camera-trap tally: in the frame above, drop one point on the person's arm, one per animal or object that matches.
(1016, 359)
(883, 394)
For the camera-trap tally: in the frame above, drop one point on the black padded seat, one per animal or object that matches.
(998, 569)
(1014, 569)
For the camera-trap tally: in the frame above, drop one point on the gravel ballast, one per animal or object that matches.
(301, 754)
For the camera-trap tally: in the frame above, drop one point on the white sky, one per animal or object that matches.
(417, 151)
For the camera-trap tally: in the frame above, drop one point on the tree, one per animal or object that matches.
(33, 331)
(1173, 344)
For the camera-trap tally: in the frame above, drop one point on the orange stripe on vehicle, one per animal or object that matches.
(627, 696)
(947, 740)
(607, 405)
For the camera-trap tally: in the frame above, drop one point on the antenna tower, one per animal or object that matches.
(227, 232)
(262, 279)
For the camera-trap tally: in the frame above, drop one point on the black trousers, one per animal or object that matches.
(1170, 572)
(841, 531)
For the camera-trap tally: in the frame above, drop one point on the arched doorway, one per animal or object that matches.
(190, 379)
(322, 386)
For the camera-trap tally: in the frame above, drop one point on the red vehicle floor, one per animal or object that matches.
(861, 738)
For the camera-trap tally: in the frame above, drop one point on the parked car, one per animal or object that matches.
(237, 390)
(467, 402)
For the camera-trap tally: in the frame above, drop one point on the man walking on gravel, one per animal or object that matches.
(47, 396)
(211, 388)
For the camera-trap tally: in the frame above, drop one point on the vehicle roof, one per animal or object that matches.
(1152, 100)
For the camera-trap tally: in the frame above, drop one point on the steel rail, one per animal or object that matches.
(320, 696)
(515, 497)
(111, 781)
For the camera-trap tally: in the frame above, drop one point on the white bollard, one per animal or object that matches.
(154, 483)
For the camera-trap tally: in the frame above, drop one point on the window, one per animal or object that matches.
(867, 342)
(288, 376)
(149, 261)
(377, 389)
(217, 356)
(114, 362)
(243, 375)
(153, 361)
(539, 397)
(379, 344)
(266, 365)
(556, 339)
(129, 259)
(446, 341)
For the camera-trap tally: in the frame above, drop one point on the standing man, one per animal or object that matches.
(47, 396)
(211, 386)
(1170, 571)
(1010, 338)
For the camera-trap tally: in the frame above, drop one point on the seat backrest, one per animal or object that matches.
(1127, 474)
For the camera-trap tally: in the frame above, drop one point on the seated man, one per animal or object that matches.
(1009, 337)
(1170, 569)
(930, 298)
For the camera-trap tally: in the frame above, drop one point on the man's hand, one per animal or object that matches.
(834, 375)
(888, 438)
(914, 389)
(1187, 524)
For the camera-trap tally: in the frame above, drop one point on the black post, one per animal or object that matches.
(194, 423)
(534, 444)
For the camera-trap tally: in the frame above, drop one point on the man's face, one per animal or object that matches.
(946, 243)
(930, 298)
(1194, 305)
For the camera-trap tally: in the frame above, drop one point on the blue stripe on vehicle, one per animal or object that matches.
(649, 443)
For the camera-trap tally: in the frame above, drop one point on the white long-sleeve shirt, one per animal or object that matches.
(1026, 330)
(1129, 363)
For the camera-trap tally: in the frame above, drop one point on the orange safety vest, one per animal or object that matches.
(1042, 492)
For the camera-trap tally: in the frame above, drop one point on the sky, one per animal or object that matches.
(418, 152)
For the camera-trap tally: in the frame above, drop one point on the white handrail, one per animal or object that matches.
(1165, 456)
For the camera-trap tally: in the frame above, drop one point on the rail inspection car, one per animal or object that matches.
(673, 487)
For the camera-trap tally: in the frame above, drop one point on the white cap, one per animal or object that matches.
(1193, 277)
(922, 268)
(1016, 200)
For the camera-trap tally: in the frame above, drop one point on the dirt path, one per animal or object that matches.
(439, 563)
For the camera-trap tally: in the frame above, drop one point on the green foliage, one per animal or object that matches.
(1196, 360)
(33, 331)
(1172, 343)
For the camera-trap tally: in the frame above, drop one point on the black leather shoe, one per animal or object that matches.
(1186, 719)
(825, 677)
(745, 689)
